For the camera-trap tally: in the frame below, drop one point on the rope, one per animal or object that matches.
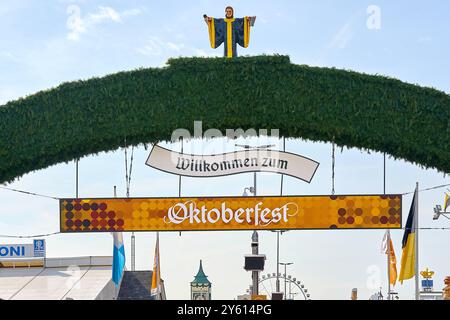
(29, 193)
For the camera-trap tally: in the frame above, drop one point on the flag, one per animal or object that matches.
(446, 202)
(118, 258)
(156, 276)
(407, 270)
(388, 248)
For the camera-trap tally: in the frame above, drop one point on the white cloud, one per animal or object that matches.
(155, 46)
(131, 12)
(104, 14)
(77, 24)
(174, 46)
(342, 38)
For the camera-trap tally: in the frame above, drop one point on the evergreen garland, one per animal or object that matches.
(265, 92)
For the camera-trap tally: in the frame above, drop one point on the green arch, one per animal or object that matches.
(356, 110)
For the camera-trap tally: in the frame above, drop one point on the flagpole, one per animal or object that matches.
(389, 233)
(416, 254)
(158, 296)
(389, 264)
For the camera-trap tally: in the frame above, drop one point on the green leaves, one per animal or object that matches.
(263, 92)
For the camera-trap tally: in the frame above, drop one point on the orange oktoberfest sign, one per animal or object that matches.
(231, 213)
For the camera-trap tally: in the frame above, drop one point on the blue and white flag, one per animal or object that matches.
(118, 258)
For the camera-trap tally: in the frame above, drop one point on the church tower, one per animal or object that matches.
(200, 287)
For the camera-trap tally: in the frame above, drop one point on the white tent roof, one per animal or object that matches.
(83, 278)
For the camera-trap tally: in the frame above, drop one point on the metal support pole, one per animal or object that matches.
(333, 163)
(384, 173)
(254, 183)
(278, 262)
(255, 274)
(285, 281)
(278, 231)
(290, 290)
(282, 176)
(76, 178)
(416, 226)
(285, 264)
(133, 252)
(127, 185)
(389, 234)
(389, 265)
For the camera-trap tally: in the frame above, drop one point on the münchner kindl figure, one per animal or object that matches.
(230, 31)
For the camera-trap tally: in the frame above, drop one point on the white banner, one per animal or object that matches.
(232, 163)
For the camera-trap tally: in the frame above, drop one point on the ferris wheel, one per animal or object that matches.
(292, 288)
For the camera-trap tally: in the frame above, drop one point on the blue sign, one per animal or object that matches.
(13, 251)
(39, 248)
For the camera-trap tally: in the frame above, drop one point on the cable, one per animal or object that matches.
(282, 175)
(29, 193)
(126, 170)
(55, 233)
(28, 237)
(431, 228)
(131, 168)
(333, 160)
(427, 189)
(129, 181)
(128, 173)
(384, 173)
(179, 177)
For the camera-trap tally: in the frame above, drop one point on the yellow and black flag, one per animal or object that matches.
(446, 202)
(407, 270)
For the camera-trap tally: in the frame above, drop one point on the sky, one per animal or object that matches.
(44, 44)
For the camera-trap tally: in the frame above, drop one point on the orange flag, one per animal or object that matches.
(388, 248)
(156, 277)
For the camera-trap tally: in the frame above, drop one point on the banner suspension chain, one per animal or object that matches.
(333, 160)
(127, 185)
(179, 177)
